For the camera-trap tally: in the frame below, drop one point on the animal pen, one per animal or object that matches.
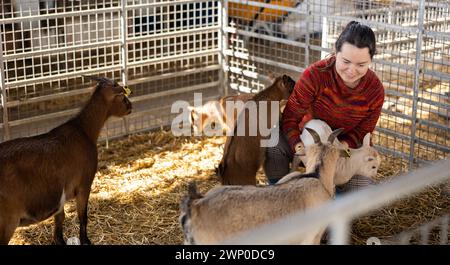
(168, 50)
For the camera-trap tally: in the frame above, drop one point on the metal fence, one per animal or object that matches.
(167, 50)
(413, 62)
(163, 50)
(338, 214)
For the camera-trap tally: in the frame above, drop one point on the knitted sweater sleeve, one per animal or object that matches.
(298, 105)
(368, 124)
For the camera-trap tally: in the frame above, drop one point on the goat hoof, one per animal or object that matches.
(59, 241)
(86, 242)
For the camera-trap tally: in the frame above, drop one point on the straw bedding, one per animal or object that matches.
(141, 179)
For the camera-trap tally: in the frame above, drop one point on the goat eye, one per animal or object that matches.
(370, 159)
(374, 167)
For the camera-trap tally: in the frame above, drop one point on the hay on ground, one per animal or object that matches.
(142, 178)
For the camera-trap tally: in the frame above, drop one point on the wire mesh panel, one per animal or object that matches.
(412, 39)
(163, 50)
(172, 53)
(411, 60)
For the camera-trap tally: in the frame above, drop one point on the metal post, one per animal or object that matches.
(123, 44)
(417, 72)
(124, 52)
(323, 54)
(308, 29)
(339, 232)
(220, 45)
(223, 45)
(6, 135)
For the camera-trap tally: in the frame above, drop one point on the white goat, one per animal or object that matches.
(363, 161)
(227, 211)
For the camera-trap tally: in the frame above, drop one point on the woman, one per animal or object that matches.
(340, 90)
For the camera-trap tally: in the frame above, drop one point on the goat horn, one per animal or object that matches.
(314, 135)
(334, 134)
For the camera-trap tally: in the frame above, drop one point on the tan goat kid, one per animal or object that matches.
(363, 161)
(214, 113)
(226, 211)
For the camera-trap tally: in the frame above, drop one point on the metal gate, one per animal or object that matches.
(413, 62)
(163, 50)
(166, 50)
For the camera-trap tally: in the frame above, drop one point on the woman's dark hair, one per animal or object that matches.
(358, 35)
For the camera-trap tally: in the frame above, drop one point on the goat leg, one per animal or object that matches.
(295, 163)
(7, 228)
(58, 237)
(82, 203)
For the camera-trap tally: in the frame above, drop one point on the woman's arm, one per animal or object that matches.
(354, 137)
(298, 106)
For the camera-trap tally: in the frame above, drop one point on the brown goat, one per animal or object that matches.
(243, 155)
(39, 174)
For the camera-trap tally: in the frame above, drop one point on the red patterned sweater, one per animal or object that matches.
(321, 94)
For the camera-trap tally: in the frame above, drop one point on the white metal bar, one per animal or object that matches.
(347, 206)
(174, 33)
(75, 92)
(264, 37)
(416, 81)
(175, 91)
(72, 112)
(65, 75)
(123, 43)
(174, 74)
(5, 125)
(222, 44)
(257, 59)
(174, 57)
(340, 231)
(268, 6)
(164, 3)
(56, 15)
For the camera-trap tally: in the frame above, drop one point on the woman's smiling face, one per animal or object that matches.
(352, 63)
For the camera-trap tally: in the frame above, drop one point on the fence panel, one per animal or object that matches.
(411, 60)
(163, 50)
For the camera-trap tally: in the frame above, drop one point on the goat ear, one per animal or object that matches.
(123, 89)
(366, 140)
(334, 134)
(271, 76)
(314, 135)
